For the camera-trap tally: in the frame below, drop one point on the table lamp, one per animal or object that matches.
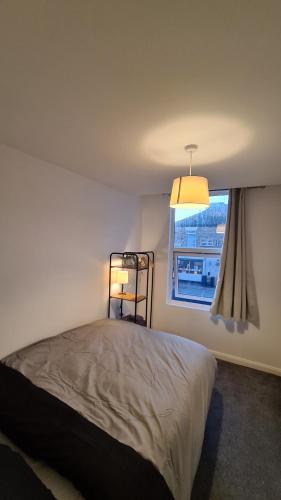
(122, 278)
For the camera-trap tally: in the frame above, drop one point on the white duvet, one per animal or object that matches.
(150, 390)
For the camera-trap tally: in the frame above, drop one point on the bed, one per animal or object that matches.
(117, 408)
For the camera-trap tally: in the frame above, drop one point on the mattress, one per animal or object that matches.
(148, 390)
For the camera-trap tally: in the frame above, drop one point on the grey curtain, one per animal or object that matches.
(235, 296)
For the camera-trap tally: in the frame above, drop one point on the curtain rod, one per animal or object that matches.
(247, 187)
(227, 189)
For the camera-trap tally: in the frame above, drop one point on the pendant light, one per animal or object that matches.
(190, 191)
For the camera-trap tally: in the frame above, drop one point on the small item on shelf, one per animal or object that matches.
(139, 319)
(129, 261)
(143, 262)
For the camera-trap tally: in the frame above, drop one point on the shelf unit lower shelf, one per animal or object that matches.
(130, 268)
(130, 297)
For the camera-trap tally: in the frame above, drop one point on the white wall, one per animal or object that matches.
(256, 347)
(57, 230)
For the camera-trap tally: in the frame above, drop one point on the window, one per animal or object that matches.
(196, 243)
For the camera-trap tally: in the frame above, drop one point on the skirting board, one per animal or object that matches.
(247, 362)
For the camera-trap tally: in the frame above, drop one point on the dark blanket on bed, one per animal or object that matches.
(99, 466)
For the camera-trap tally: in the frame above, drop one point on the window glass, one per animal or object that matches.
(196, 277)
(198, 241)
(201, 229)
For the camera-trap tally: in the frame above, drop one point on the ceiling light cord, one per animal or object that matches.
(190, 148)
(190, 162)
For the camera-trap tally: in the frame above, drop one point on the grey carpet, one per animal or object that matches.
(241, 455)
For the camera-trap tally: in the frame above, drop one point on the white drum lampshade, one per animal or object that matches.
(122, 277)
(190, 191)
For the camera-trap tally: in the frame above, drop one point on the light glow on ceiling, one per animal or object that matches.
(219, 138)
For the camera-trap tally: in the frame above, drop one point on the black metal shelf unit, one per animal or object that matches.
(139, 262)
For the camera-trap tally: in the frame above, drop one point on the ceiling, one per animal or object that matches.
(114, 90)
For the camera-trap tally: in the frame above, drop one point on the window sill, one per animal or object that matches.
(188, 305)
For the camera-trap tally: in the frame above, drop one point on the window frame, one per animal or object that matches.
(173, 253)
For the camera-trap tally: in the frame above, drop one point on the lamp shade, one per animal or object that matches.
(122, 277)
(190, 192)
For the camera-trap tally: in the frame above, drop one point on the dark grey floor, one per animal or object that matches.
(241, 456)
